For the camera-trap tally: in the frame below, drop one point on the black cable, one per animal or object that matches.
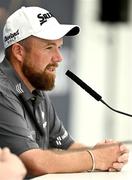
(115, 109)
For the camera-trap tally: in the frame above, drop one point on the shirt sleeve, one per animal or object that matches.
(58, 135)
(14, 132)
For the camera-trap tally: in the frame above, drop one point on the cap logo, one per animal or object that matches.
(11, 35)
(43, 17)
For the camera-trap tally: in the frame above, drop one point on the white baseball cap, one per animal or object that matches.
(35, 21)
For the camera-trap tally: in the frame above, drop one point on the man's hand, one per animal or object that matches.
(122, 159)
(110, 155)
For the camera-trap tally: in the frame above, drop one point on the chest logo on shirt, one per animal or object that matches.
(19, 88)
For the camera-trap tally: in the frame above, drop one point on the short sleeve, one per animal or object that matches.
(14, 132)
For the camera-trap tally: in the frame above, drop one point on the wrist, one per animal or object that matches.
(93, 160)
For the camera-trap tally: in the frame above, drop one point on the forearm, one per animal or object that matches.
(47, 161)
(75, 159)
(78, 146)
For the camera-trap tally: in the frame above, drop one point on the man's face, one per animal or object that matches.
(40, 62)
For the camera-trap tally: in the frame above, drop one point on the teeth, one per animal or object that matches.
(51, 68)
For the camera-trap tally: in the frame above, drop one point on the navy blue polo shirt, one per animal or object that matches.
(27, 120)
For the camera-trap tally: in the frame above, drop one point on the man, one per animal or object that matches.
(11, 167)
(29, 124)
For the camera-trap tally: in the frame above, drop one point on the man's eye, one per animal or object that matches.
(60, 47)
(49, 47)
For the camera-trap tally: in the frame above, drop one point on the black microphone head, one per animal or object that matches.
(83, 85)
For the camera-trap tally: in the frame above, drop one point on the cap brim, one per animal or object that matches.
(57, 32)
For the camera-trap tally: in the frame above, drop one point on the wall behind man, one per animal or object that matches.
(104, 61)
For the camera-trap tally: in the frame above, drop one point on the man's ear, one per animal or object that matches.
(18, 51)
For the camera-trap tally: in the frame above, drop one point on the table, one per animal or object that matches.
(88, 176)
(125, 174)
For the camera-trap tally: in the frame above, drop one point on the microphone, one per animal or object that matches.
(91, 91)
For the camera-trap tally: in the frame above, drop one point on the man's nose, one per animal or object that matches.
(58, 56)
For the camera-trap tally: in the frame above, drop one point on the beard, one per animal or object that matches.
(40, 80)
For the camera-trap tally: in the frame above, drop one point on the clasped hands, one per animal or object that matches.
(110, 155)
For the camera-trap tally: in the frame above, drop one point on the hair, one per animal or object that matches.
(25, 43)
(8, 53)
